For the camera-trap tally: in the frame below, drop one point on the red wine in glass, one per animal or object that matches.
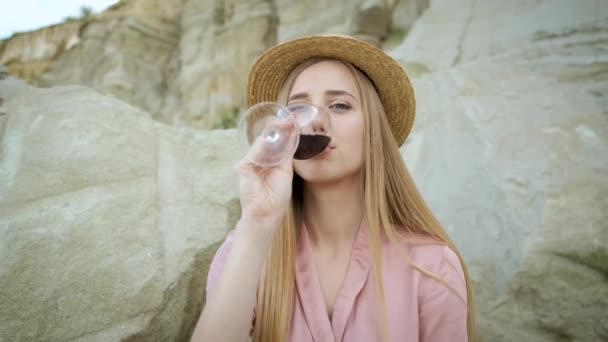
(311, 145)
(272, 132)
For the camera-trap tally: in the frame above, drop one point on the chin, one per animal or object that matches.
(322, 173)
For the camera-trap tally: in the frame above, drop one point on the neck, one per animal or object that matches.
(333, 212)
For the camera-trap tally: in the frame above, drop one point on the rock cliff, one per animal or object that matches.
(185, 61)
(113, 200)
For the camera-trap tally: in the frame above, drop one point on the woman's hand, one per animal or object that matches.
(265, 192)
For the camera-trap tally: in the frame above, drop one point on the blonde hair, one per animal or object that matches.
(393, 205)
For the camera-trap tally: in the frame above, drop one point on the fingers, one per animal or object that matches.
(275, 143)
(292, 140)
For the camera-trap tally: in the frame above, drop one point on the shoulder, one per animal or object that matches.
(434, 262)
(441, 290)
(424, 249)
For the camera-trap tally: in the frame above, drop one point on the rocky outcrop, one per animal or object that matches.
(519, 124)
(370, 20)
(108, 219)
(516, 179)
(218, 42)
(185, 61)
(561, 40)
(209, 89)
(124, 52)
(29, 55)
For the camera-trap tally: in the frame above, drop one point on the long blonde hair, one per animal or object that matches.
(393, 205)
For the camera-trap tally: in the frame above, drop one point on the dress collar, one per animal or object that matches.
(309, 288)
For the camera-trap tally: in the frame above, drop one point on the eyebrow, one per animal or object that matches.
(327, 92)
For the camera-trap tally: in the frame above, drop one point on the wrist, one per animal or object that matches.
(259, 231)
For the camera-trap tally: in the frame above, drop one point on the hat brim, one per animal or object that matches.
(272, 68)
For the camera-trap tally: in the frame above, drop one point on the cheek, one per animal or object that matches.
(351, 131)
(350, 137)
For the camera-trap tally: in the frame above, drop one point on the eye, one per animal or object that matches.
(303, 112)
(340, 107)
(298, 107)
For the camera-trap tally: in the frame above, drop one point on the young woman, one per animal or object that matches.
(341, 247)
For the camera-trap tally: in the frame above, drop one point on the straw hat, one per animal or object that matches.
(271, 69)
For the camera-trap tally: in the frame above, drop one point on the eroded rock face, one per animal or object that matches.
(107, 217)
(370, 20)
(186, 61)
(521, 185)
(218, 42)
(209, 89)
(124, 52)
(29, 55)
(516, 179)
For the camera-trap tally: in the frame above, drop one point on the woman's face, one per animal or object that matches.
(331, 87)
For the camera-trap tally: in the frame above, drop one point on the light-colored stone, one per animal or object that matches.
(450, 32)
(3, 72)
(509, 148)
(366, 19)
(218, 42)
(124, 52)
(107, 217)
(209, 91)
(520, 182)
(404, 15)
(29, 55)
(185, 61)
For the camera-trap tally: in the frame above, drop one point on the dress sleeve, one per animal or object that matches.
(443, 313)
(217, 266)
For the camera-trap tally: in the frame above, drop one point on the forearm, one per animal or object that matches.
(228, 312)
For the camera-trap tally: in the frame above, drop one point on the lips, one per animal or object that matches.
(331, 145)
(329, 148)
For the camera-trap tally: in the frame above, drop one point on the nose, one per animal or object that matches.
(320, 124)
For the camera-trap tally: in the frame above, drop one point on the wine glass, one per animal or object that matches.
(273, 132)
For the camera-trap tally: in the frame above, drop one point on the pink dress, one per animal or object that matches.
(419, 307)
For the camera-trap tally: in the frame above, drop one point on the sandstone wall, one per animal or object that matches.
(108, 219)
(109, 214)
(522, 183)
(209, 91)
(124, 52)
(185, 61)
(29, 55)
